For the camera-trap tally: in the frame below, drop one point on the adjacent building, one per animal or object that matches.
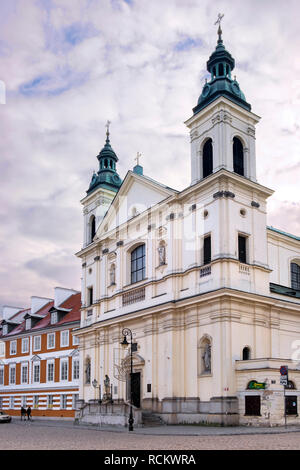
(40, 364)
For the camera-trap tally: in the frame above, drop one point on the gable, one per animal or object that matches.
(137, 194)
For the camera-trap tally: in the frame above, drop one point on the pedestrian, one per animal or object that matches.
(28, 412)
(23, 413)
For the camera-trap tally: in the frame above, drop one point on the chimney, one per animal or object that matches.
(61, 294)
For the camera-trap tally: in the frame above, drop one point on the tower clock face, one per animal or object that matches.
(115, 178)
(235, 88)
(205, 90)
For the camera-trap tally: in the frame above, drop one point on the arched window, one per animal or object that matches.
(92, 228)
(138, 264)
(207, 158)
(246, 353)
(295, 276)
(204, 356)
(238, 156)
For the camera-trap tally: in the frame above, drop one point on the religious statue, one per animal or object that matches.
(88, 372)
(112, 274)
(161, 254)
(207, 358)
(107, 397)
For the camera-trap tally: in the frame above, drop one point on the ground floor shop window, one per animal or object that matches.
(252, 405)
(291, 405)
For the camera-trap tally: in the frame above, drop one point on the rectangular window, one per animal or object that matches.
(36, 343)
(28, 324)
(12, 375)
(75, 369)
(90, 296)
(50, 401)
(24, 374)
(50, 371)
(25, 345)
(51, 341)
(63, 401)
(13, 348)
(291, 405)
(24, 401)
(1, 403)
(64, 338)
(1, 376)
(74, 401)
(242, 242)
(207, 250)
(252, 405)
(2, 348)
(35, 401)
(75, 340)
(36, 373)
(53, 317)
(64, 369)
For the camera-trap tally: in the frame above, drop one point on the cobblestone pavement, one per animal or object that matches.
(36, 435)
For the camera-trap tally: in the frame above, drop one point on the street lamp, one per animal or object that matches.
(95, 384)
(127, 332)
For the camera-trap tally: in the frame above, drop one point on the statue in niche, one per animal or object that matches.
(112, 274)
(207, 358)
(88, 372)
(161, 254)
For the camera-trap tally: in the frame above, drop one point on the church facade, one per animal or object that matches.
(209, 292)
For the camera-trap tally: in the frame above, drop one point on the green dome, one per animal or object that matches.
(107, 176)
(220, 66)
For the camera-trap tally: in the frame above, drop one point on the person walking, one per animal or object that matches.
(28, 412)
(23, 413)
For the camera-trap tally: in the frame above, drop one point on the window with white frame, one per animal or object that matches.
(36, 372)
(24, 374)
(2, 348)
(25, 345)
(75, 340)
(35, 401)
(12, 402)
(63, 401)
(53, 318)
(50, 401)
(64, 338)
(1, 376)
(13, 348)
(50, 371)
(36, 343)
(75, 400)
(24, 401)
(51, 340)
(5, 330)
(12, 375)
(64, 369)
(76, 368)
(28, 324)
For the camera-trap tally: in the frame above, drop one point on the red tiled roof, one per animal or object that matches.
(73, 303)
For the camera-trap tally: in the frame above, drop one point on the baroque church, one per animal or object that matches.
(203, 292)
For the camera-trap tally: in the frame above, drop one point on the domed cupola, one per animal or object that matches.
(220, 66)
(107, 175)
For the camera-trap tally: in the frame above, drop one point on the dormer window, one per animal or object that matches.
(53, 318)
(28, 324)
(5, 330)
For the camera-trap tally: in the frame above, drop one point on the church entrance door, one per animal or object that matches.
(136, 389)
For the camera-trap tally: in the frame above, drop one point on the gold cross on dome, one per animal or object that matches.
(137, 158)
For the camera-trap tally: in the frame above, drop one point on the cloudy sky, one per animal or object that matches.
(69, 65)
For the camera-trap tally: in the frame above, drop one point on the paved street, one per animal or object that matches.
(65, 436)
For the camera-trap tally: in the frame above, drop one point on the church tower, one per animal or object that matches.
(223, 160)
(103, 187)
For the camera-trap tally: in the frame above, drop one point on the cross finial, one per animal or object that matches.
(107, 127)
(137, 158)
(219, 22)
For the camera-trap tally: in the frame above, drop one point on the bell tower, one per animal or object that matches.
(222, 127)
(223, 170)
